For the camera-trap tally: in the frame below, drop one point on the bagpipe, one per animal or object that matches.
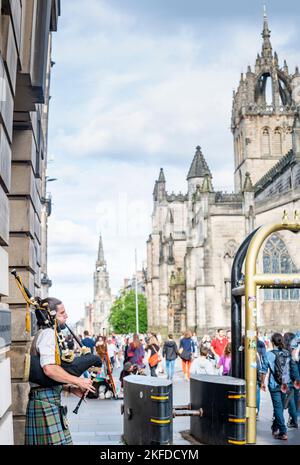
(46, 318)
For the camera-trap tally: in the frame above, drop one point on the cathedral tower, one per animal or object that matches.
(263, 114)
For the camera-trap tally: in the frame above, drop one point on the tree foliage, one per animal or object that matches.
(123, 314)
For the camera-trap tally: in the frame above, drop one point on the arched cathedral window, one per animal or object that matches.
(265, 142)
(289, 137)
(276, 259)
(241, 148)
(277, 142)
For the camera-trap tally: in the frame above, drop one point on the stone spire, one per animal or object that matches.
(161, 176)
(102, 294)
(266, 34)
(207, 184)
(199, 168)
(101, 260)
(248, 186)
(160, 193)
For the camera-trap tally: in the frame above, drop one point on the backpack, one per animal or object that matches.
(281, 366)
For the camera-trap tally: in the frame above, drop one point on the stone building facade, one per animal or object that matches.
(25, 64)
(195, 235)
(130, 283)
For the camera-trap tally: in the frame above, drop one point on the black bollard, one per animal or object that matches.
(223, 403)
(148, 411)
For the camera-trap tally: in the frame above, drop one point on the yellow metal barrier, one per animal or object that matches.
(252, 281)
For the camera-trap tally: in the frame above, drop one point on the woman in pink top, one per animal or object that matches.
(225, 360)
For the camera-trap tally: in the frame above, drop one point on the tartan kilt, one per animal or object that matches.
(43, 421)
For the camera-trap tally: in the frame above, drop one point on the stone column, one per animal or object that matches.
(25, 28)
(8, 67)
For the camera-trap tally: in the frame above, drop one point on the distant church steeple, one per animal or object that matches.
(102, 293)
(101, 261)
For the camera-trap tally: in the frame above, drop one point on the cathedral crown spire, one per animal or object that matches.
(266, 34)
(199, 168)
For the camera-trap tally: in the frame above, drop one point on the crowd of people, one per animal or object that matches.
(277, 362)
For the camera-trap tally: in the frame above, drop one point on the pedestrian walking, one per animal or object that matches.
(224, 363)
(203, 365)
(136, 352)
(206, 342)
(195, 341)
(170, 353)
(125, 348)
(153, 355)
(292, 396)
(186, 351)
(295, 347)
(111, 350)
(219, 343)
(278, 363)
(88, 341)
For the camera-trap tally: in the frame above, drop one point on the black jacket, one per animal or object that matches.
(170, 350)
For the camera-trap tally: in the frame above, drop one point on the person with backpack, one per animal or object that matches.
(282, 371)
(203, 365)
(186, 351)
(292, 396)
(295, 348)
(170, 352)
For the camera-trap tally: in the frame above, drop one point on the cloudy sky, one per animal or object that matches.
(137, 85)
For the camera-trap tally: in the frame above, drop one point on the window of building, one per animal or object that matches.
(266, 147)
(277, 142)
(276, 259)
(268, 91)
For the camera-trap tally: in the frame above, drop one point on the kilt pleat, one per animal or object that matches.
(43, 421)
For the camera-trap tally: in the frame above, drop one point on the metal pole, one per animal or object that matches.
(236, 308)
(251, 282)
(136, 296)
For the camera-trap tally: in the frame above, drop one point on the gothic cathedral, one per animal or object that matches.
(195, 235)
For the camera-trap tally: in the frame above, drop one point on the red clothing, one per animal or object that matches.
(219, 345)
(186, 367)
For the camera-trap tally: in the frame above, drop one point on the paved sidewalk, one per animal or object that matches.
(99, 422)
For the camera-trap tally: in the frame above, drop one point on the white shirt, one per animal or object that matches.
(111, 349)
(202, 366)
(45, 346)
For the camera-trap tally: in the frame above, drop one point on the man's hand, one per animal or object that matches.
(263, 387)
(85, 384)
(77, 392)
